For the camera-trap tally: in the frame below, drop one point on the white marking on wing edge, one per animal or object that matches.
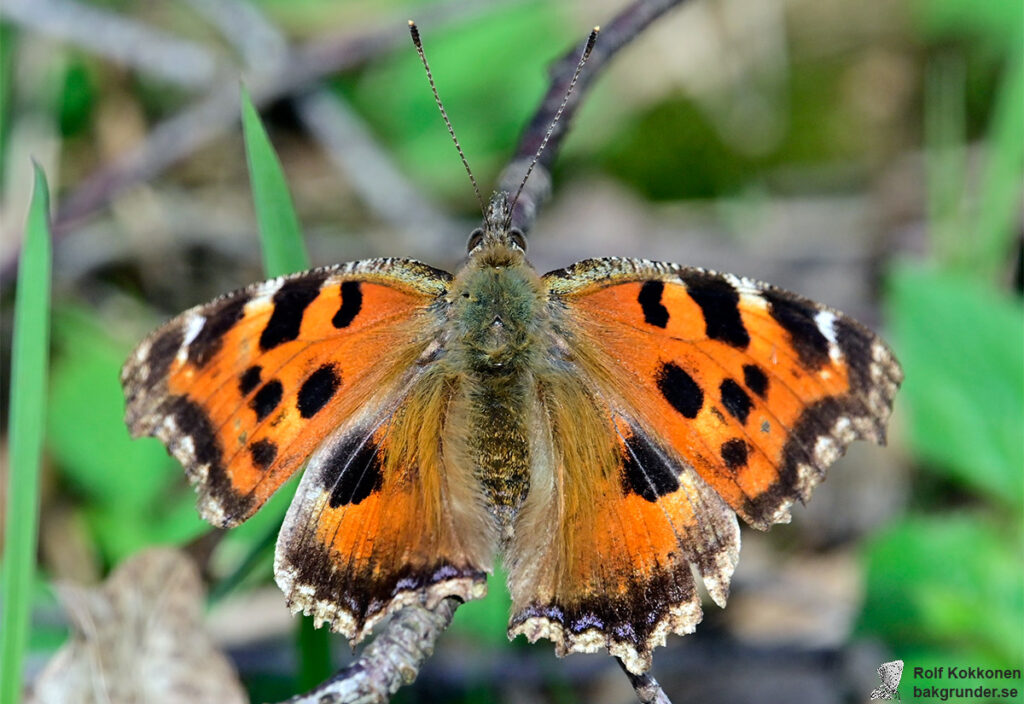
(754, 300)
(826, 322)
(265, 293)
(734, 281)
(143, 351)
(194, 325)
(192, 329)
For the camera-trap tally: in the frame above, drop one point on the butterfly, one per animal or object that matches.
(600, 427)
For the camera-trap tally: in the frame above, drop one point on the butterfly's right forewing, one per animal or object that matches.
(243, 389)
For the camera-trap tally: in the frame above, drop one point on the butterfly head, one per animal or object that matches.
(496, 235)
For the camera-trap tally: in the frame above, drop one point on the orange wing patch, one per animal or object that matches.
(617, 573)
(725, 396)
(243, 389)
(374, 527)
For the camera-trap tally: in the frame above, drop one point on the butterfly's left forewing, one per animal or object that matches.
(713, 394)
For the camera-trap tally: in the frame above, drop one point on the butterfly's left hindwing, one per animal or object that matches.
(243, 389)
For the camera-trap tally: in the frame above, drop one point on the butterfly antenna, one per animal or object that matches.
(415, 32)
(591, 40)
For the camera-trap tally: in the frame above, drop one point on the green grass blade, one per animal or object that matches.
(945, 159)
(283, 252)
(30, 352)
(283, 249)
(999, 200)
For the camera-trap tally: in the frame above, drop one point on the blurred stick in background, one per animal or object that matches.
(217, 111)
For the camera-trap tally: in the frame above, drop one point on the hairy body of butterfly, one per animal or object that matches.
(600, 426)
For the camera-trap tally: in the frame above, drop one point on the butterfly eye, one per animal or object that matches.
(475, 238)
(518, 238)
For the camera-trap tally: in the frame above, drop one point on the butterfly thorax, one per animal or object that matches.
(496, 314)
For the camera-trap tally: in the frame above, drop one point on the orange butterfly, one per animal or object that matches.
(599, 426)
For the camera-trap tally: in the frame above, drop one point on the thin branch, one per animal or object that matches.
(625, 27)
(259, 43)
(121, 39)
(195, 126)
(372, 173)
(647, 689)
(393, 658)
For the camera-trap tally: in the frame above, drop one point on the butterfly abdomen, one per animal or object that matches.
(496, 312)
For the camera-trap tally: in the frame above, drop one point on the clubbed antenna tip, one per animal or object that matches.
(415, 33)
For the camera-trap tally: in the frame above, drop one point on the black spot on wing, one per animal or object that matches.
(735, 400)
(290, 303)
(250, 379)
(680, 390)
(646, 471)
(734, 453)
(856, 344)
(352, 471)
(263, 453)
(317, 390)
(755, 379)
(163, 351)
(351, 304)
(217, 324)
(650, 302)
(191, 421)
(267, 398)
(797, 318)
(719, 301)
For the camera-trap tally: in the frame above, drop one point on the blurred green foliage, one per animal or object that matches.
(961, 343)
(488, 97)
(945, 584)
(130, 491)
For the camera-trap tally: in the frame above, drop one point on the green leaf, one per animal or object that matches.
(951, 583)
(283, 252)
(283, 249)
(995, 23)
(962, 347)
(29, 357)
(86, 433)
(999, 206)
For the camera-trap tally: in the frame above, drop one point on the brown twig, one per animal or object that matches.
(393, 659)
(120, 39)
(195, 126)
(647, 689)
(625, 27)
